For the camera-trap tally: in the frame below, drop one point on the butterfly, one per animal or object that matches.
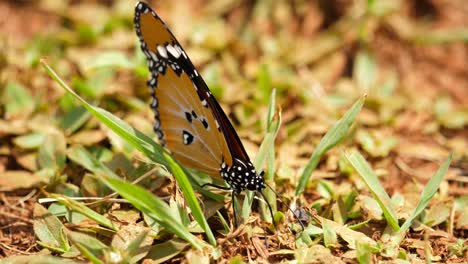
(188, 119)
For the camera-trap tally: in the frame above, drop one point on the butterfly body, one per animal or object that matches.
(188, 119)
(242, 175)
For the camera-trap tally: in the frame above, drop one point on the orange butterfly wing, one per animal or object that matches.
(184, 121)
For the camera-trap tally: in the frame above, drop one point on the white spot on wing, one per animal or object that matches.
(162, 51)
(173, 51)
(153, 55)
(146, 53)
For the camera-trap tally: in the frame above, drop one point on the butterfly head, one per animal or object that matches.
(242, 175)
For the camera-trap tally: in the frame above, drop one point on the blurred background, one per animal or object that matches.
(409, 57)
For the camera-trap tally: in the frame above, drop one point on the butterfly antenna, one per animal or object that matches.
(281, 200)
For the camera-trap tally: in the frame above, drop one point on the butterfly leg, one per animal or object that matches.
(281, 200)
(269, 207)
(216, 186)
(233, 200)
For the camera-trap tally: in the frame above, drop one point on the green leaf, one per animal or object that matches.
(459, 248)
(17, 99)
(152, 223)
(333, 229)
(74, 119)
(375, 143)
(329, 236)
(52, 152)
(363, 252)
(30, 141)
(95, 83)
(133, 242)
(460, 205)
(371, 207)
(111, 59)
(49, 230)
(331, 139)
(61, 210)
(437, 214)
(90, 247)
(429, 191)
(163, 252)
(370, 179)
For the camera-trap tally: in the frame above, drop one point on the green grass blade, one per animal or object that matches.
(266, 151)
(370, 179)
(273, 126)
(225, 224)
(331, 139)
(81, 208)
(429, 191)
(270, 173)
(190, 197)
(152, 206)
(142, 143)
